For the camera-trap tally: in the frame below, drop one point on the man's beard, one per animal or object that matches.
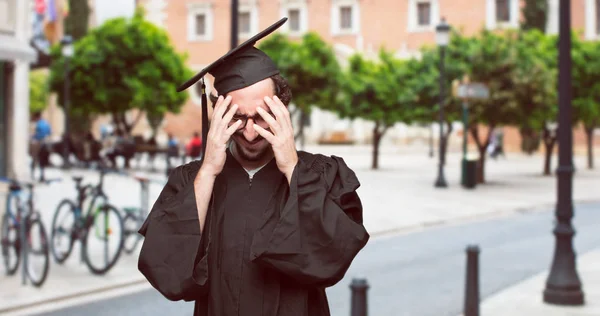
(248, 155)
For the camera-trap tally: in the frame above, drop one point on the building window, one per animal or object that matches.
(345, 17)
(244, 23)
(247, 19)
(424, 11)
(294, 17)
(502, 14)
(297, 13)
(502, 11)
(423, 15)
(200, 22)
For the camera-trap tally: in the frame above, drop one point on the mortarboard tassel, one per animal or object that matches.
(204, 119)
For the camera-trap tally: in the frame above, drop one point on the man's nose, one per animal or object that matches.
(249, 132)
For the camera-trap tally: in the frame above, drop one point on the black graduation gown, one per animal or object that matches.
(268, 248)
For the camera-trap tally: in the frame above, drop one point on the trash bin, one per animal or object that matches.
(470, 173)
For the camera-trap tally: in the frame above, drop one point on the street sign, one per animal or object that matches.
(473, 91)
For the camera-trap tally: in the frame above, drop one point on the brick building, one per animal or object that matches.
(202, 27)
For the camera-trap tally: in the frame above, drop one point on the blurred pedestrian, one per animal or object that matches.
(194, 146)
(39, 146)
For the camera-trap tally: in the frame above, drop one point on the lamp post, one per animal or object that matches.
(563, 286)
(67, 52)
(465, 119)
(442, 37)
(234, 24)
(431, 140)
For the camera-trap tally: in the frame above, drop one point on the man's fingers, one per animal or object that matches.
(264, 133)
(284, 109)
(221, 108)
(231, 129)
(216, 106)
(269, 119)
(275, 109)
(229, 115)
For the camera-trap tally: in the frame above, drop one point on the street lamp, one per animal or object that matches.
(67, 52)
(234, 24)
(442, 37)
(563, 286)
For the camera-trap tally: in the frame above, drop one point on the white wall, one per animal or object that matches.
(18, 127)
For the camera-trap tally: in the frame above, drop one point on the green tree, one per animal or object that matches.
(38, 91)
(310, 68)
(76, 23)
(456, 64)
(493, 63)
(535, 93)
(124, 64)
(586, 89)
(381, 91)
(535, 13)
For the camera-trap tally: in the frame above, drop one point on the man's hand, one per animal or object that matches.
(282, 138)
(216, 140)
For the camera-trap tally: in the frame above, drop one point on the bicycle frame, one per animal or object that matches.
(20, 222)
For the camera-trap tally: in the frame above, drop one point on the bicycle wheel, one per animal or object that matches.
(131, 236)
(63, 232)
(10, 245)
(103, 238)
(37, 254)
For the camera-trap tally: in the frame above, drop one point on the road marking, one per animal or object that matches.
(50, 306)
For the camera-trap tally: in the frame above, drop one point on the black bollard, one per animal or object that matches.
(472, 283)
(359, 297)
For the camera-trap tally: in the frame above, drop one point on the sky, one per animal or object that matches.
(107, 9)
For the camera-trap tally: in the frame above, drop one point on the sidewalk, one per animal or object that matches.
(526, 298)
(399, 197)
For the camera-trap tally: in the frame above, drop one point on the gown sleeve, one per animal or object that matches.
(173, 257)
(320, 230)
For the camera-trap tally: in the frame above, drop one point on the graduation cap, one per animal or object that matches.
(241, 67)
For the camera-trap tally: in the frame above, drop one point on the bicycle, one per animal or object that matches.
(135, 216)
(18, 243)
(88, 226)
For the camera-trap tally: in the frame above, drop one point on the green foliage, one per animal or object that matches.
(382, 91)
(586, 82)
(493, 62)
(535, 15)
(309, 66)
(38, 91)
(535, 85)
(457, 63)
(76, 23)
(121, 65)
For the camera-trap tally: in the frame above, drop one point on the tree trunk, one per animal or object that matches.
(376, 139)
(549, 142)
(445, 141)
(378, 132)
(481, 148)
(589, 133)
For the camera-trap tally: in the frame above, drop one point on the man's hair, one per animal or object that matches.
(282, 90)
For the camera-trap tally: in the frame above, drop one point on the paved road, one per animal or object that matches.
(420, 273)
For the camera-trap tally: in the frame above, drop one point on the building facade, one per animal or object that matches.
(16, 56)
(202, 27)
